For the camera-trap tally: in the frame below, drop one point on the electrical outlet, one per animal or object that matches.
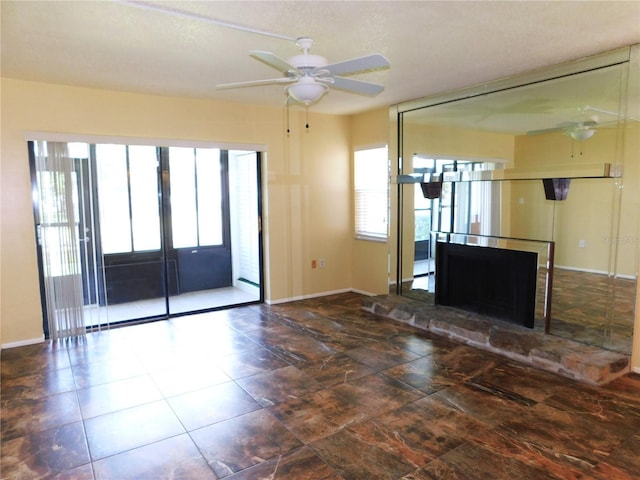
(321, 262)
(582, 243)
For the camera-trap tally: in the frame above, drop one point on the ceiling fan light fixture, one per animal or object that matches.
(306, 90)
(581, 134)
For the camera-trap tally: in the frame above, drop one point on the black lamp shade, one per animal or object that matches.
(556, 188)
(431, 189)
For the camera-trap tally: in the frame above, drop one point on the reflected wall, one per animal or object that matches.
(486, 151)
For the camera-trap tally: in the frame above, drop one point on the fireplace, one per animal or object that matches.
(496, 282)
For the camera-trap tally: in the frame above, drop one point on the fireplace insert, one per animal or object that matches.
(496, 282)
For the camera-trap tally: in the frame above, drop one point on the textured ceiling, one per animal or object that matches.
(433, 46)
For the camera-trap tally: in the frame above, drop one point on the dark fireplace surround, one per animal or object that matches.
(495, 282)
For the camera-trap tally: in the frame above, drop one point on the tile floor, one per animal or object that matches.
(186, 302)
(316, 389)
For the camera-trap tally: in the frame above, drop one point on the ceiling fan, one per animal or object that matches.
(579, 131)
(309, 77)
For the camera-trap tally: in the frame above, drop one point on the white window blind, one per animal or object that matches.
(371, 179)
(245, 203)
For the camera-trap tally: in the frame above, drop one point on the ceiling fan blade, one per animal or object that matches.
(355, 86)
(274, 61)
(354, 65)
(546, 130)
(255, 83)
(568, 126)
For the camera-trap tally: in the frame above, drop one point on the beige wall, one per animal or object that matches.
(446, 142)
(630, 237)
(369, 260)
(307, 187)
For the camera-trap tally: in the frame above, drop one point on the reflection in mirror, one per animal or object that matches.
(471, 170)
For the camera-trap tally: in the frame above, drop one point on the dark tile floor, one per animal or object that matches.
(316, 389)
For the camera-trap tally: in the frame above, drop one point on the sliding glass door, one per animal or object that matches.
(164, 230)
(214, 237)
(127, 217)
(198, 240)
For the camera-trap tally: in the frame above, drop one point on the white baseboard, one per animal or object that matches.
(576, 269)
(404, 280)
(22, 343)
(362, 292)
(599, 272)
(305, 297)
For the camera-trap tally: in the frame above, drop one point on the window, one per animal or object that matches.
(371, 179)
(196, 197)
(128, 197)
(465, 207)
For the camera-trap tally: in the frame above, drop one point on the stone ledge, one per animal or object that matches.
(571, 359)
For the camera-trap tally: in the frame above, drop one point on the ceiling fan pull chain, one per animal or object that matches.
(287, 107)
(572, 145)
(306, 109)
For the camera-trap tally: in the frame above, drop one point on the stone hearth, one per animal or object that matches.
(571, 359)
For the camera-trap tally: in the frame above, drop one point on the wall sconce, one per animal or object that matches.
(556, 188)
(431, 189)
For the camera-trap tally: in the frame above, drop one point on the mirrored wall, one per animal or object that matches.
(541, 170)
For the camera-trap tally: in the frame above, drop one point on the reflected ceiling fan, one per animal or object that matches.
(308, 77)
(580, 131)
(577, 130)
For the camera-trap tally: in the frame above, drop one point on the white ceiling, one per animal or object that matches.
(433, 46)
